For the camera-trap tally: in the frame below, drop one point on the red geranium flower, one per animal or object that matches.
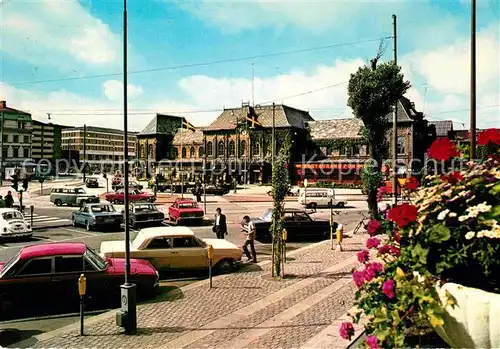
(363, 256)
(373, 227)
(411, 183)
(491, 135)
(372, 243)
(403, 214)
(388, 289)
(442, 149)
(453, 177)
(346, 330)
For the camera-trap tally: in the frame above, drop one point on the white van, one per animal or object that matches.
(319, 197)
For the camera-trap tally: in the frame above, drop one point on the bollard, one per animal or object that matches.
(82, 289)
(340, 237)
(32, 209)
(210, 252)
(285, 237)
(331, 228)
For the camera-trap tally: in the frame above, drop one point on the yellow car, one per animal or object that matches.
(176, 248)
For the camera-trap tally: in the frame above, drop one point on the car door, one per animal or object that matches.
(173, 210)
(188, 253)
(289, 224)
(67, 270)
(35, 280)
(158, 252)
(79, 215)
(304, 225)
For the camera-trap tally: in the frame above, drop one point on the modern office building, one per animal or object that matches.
(46, 141)
(103, 146)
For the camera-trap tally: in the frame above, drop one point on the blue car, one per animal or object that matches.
(92, 216)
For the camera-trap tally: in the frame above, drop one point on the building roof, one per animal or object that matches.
(442, 127)
(97, 129)
(52, 249)
(284, 116)
(40, 123)
(406, 111)
(186, 137)
(336, 128)
(7, 110)
(162, 124)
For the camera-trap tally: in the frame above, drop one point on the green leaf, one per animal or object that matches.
(495, 190)
(439, 233)
(419, 253)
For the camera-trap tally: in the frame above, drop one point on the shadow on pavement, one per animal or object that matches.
(10, 336)
(166, 293)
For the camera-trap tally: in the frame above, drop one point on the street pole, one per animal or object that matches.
(182, 159)
(473, 83)
(395, 120)
(84, 151)
(1, 147)
(127, 318)
(273, 148)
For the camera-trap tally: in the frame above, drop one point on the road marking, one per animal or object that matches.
(80, 232)
(240, 314)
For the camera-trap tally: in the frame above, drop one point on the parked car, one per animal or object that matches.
(71, 196)
(131, 185)
(176, 248)
(290, 192)
(213, 190)
(183, 210)
(13, 224)
(320, 197)
(92, 183)
(92, 216)
(41, 271)
(144, 213)
(134, 195)
(299, 225)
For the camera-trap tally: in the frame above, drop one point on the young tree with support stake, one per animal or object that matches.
(281, 184)
(373, 91)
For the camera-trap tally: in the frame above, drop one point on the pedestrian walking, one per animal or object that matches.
(9, 200)
(198, 192)
(249, 229)
(220, 225)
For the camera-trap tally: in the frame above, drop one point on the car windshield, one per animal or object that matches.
(79, 191)
(188, 205)
(12, 215)
(102, 208)
(95, 258)
(144, 208)
(9, 264)
(202, 243)
(267, 216)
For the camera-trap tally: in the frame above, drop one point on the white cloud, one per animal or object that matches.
(56, 33)
(113, 90)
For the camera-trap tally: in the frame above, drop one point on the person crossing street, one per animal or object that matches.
(220, 225)
(249, 229)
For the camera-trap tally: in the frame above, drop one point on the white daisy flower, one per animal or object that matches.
(442, 215)
(470, 235)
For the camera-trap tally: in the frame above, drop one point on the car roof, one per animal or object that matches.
(4, 210)
(150, 233)
(185, 200)
(51, 249)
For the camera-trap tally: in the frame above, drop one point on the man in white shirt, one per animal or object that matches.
(249, 229)
(220, 225)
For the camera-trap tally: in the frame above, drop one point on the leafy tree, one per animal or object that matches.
(373, 91)
(281, 184)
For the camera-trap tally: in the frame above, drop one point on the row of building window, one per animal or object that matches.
(16, 138)
(15, 152)
(79, 134)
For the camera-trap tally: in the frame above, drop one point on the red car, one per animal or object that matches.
(51, 271)
(134, 195)
(185, 210)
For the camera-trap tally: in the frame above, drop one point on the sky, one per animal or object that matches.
(193, 58)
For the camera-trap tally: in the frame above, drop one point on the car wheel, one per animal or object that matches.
(88, 226)
(340, 205)
(225, 266)
(58, 202)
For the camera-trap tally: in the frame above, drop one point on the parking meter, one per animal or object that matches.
(210, 254)
(32, 209)
(340, 236)
(82, 290)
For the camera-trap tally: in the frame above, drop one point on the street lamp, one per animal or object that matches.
(127, 317)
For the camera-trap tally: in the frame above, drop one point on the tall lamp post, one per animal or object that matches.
(84, 152)
(1, 147)
(473, 83)
(127, 317)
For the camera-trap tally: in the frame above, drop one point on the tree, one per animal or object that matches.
(373, 91)
(281, 184)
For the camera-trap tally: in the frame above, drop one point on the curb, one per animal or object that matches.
(112, 313)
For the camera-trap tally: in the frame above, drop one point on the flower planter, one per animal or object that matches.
(474, 322)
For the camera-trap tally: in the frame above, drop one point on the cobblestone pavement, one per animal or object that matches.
(247, 309)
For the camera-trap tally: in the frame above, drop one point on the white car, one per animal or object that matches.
(13, 224)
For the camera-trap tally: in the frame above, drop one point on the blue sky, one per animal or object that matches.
(53, 40)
